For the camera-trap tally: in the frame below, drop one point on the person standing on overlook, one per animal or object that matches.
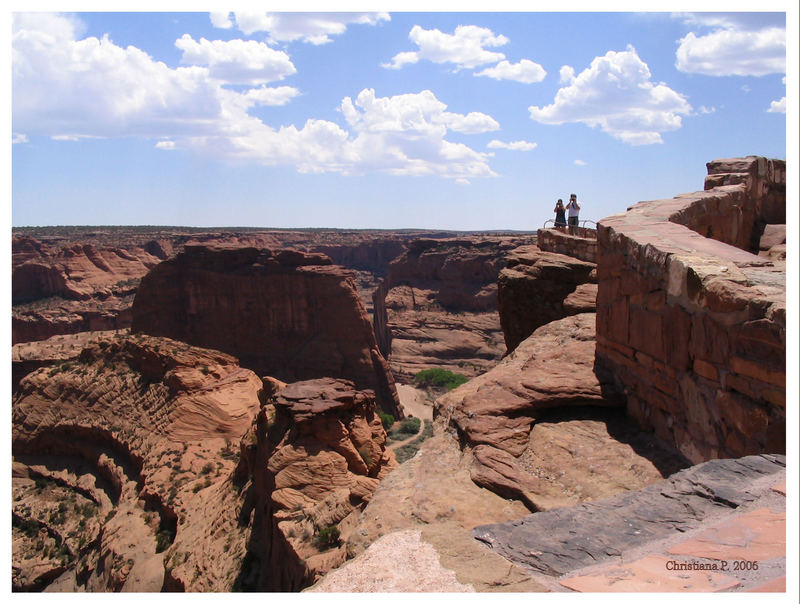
(561, 220)
(574, 209)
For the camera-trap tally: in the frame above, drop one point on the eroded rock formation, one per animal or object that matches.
(59, 289)
(73, 288)
(123, 463)
(147, 464)
(559, 541)
(312, 461)
(287, 314)
(502, 415)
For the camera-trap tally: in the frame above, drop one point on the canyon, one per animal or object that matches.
(209, 410)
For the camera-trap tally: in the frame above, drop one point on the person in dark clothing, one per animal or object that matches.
(561, 219)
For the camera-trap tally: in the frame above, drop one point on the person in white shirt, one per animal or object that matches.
(574, 209)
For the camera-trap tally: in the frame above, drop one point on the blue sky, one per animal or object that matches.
(464, 121)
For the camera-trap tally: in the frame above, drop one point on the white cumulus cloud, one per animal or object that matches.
(274, 96)
(513, 145)
(236, 61)
(221, 20)
(62, 85)
(465, 47)
(526, 71)
(72, 88)
(312, 28)
(744, 44)
(566, 74)
(777, 106)
(579, 162)
(616, 94)
(404, 134)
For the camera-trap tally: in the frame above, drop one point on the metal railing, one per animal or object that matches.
(581, 224)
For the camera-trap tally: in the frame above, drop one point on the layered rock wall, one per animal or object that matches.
(287, 314)
(694, 329)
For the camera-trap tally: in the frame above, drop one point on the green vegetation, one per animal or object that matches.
(405, 429)
(86, 510)
(365, 455)
(42, 483)
(163, 540)
(408, 451)
(327, 537)
(408, 427)
(26, 525)
(439, 378)
(387, 419)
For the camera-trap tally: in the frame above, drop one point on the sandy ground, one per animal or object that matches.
(414, 402)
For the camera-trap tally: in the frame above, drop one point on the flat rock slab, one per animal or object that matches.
(755, 536)
(647, 575)
(559, 541)
(774, 586)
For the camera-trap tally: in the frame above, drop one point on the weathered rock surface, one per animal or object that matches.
(538, 287)
(313, 459)
(397, 562)
(437, 306)
(55, 316)
(128, 476)
(27, 357)
(419, 496)
(522, 436)
(554, 368)
(287, 314)
(529, 446)
(581, 244)
(123, 463)
(77, 272)
(77, 287)
(561, 540)
(690, 323)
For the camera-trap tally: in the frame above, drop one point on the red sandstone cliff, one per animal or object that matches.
(78, 287)
(290, 315)
(690, 321)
